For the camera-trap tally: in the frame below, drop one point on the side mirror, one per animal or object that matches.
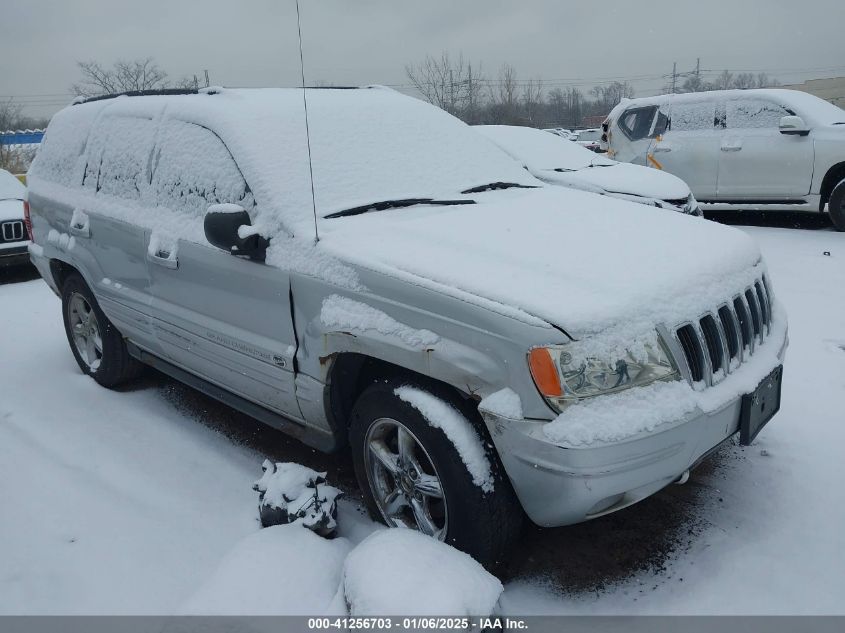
(793, 125)
(222, 229)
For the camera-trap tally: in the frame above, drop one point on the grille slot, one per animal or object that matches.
(688, 338)
(744, 324)
(764, 304)
(713, 343)
(729, 327)
(755, 312)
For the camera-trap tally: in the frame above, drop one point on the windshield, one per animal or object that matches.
(541, 150)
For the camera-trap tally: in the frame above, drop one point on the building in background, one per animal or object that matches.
(831, 89)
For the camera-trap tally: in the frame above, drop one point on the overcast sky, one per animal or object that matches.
(253, 42)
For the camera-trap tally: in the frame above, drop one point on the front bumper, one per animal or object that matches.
(14, 254)
(560, 486)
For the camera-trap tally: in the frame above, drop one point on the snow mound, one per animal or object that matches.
(281, 570)
(403, 572)
(345, 314)
(457, 428)
(504, 403)
(292, 493)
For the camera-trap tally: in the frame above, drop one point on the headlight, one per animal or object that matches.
(563, 379)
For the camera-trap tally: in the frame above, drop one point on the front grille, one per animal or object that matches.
(726, 337)
(12, 231)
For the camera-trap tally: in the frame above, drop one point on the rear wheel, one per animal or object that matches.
(97, 346)
(413, 476)
(836, 206)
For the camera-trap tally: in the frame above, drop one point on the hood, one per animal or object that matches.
(622, 178)
(11, 210)
(583, 262)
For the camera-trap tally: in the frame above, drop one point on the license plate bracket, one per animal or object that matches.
(760, 406)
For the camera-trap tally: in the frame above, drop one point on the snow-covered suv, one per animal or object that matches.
(13, 234)
(483, 343)
(740, 149)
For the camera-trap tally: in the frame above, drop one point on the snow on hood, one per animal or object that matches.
(544, 154)
(11, 210)
(623, 178)
(583, 262)
(11, 188)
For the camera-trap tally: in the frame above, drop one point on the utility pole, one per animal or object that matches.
(207, 83)
(674, 75)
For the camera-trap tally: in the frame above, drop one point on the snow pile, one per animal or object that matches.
(504, 403)
(457, 428)
(280, 570)
(403, 572)
(292, 493)
(341, 313)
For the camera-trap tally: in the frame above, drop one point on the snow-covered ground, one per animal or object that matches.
(120, 502)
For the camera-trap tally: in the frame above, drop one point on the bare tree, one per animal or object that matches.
(9, 115)
(532, 100)
(724, 81)
(123, 76)
(763, 81)
(504, 97)
(451, 84)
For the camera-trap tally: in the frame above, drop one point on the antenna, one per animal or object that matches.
(307, 131)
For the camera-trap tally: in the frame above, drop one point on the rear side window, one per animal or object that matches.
(193, 169)
(60, 156)
(753, 113)
(684, 117)
(118, 157)
(636, 123)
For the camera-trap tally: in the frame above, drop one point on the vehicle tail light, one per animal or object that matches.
(27, 220)
(544, 372)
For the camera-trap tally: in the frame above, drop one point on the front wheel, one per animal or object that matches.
(836, 206)
(431, 475)
(97, 346)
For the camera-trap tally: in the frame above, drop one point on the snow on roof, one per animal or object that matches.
(815, 110)
(538, 149)
(367, 145)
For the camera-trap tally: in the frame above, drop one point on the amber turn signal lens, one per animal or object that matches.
(544, 372)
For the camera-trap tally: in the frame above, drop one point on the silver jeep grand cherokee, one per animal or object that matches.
(487, 347)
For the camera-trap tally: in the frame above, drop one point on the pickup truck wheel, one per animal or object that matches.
(97, 346)
(412, 476)
(836, 206)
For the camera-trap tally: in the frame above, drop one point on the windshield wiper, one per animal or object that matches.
(490, 186)
(395, 204)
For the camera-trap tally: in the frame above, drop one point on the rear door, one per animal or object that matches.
(689, 147)
(757, 162)
(108, 240)
(225, 319)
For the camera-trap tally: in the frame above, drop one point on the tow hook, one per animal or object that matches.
(683, 478)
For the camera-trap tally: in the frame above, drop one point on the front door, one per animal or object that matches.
(225, 319)
(756, 161)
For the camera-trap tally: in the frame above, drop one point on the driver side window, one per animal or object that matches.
(193, 169)
(636, 123)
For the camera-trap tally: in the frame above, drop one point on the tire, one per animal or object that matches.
(482, 524)
(836, 206)
(97, 346)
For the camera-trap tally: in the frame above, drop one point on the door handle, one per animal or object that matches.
(731, 148)
(163, 258)
(661, 148)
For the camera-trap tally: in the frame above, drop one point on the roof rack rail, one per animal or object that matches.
(140, 93)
